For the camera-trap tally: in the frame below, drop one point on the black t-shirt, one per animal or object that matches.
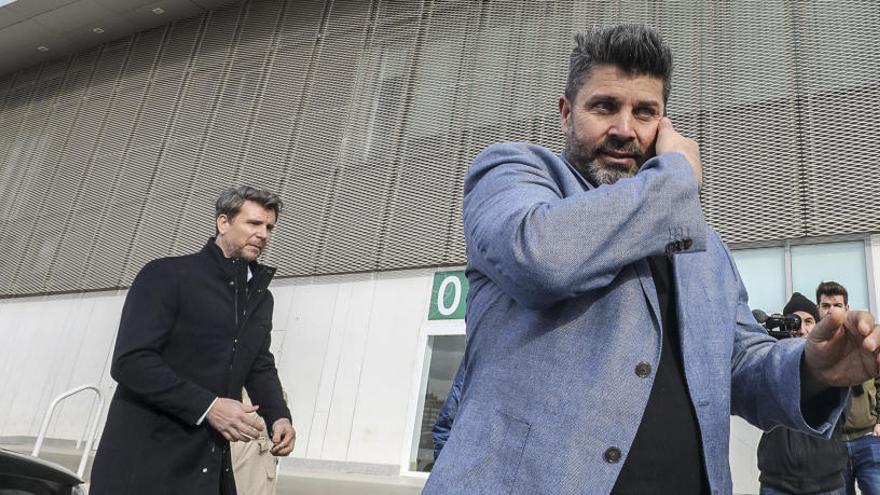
(666, 456)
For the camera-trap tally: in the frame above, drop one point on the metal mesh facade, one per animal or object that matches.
(365, 115)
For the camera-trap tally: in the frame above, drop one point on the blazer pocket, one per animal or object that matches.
(513, 446)
(482, 456)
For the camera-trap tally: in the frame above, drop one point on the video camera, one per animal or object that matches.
(777, 325)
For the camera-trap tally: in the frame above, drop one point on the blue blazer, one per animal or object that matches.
(446, 416)
(561, 310)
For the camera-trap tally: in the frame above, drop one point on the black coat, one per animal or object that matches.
(797, 462)
(192, 329)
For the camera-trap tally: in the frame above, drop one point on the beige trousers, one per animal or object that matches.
(254, 465)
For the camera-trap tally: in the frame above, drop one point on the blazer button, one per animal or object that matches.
(643, 369)
(204, 470)
(612, 455)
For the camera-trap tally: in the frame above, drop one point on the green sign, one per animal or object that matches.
(448, 296)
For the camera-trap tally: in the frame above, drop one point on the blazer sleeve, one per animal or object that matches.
(148, 316)
(263, 384)
(541, 247)
(446, 416)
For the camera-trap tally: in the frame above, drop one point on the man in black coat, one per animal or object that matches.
(194, 330)
(793, 462)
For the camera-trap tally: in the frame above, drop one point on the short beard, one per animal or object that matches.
(598, 175)
(583, 159)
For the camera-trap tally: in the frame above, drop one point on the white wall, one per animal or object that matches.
(348, 361)
(49, 345)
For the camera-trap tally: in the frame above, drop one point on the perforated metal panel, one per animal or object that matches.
(365, 116)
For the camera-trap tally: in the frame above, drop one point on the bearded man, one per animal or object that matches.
(609, 335)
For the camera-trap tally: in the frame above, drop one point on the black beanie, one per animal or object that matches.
(800, 303)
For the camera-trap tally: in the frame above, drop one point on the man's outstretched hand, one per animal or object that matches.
(234, 421)
(842, 350)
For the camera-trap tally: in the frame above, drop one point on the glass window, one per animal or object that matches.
(842, 262)
(763, 273)
(443, 357)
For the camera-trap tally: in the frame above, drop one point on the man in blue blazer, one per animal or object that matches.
(609, 334)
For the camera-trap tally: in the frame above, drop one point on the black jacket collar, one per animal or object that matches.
(234, 267)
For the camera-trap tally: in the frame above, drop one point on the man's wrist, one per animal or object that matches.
(811, 385)
(202, 419)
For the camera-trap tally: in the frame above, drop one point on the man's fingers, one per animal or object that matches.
(248, 432)
(665, 135)
(871, 341)
(826, 327)
(248, 428)
(283, 437)
(285, 446)
(669, 140)
(665, 125)
(864, 322)
(235, 420)
(253, 422)
(277, 443)
(282, 450)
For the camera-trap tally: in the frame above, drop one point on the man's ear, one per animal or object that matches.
(222, 224)
(564, 114)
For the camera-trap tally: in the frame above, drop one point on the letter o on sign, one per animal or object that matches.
(441, 293)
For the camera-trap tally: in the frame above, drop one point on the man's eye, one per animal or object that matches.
(646, 112)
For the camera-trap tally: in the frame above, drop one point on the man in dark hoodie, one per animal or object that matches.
(792, 462)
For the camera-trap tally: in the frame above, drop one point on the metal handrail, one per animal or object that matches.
(94, 423)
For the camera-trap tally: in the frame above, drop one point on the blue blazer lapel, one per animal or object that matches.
(643, 270)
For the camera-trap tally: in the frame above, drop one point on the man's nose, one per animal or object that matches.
(622, 127)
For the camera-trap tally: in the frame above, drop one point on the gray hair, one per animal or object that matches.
(230, 200)
(634, 48)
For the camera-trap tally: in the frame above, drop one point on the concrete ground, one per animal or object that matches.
(303, 483)
(347, 485)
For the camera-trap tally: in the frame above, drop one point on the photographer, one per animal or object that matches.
(792, 462)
